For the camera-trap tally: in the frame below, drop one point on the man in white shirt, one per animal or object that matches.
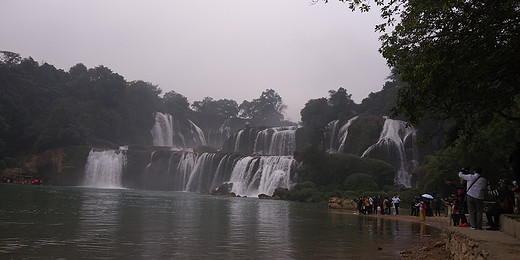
(395, 201)
(475, 190)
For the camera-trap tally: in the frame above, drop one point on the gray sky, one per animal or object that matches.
(232, 49)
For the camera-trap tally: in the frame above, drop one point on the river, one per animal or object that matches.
(78, 222)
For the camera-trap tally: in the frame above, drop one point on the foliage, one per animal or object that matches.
(317, 113)
(210, 113)
(381, 103)
(341, 104)
(333, 169)
(304, 192)
(42, 107)
(175, 104)
(360, 183)
(267, 110)
(458, 58)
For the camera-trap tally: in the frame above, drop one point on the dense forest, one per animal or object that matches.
(44, 108)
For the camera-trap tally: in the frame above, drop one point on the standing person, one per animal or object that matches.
(436, 207)
(396, 201)
(504, 204)
(476, 185)
(461, 204)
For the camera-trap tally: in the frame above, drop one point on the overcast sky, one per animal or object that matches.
(233, 49)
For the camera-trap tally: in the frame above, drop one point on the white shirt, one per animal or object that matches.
(478, 189)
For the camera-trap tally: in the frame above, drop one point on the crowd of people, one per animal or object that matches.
(368, 205)
(467, 198)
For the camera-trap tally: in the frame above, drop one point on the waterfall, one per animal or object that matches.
(276, 141)
(237, 141)
(343, 132)
(338, 138)
(202, 175)
(331, 127)
(162, 131)
(184, 167)
(104, 168)
(171, 132)
(283, 141)
(197, 134)
(252, 176)
(394, 136)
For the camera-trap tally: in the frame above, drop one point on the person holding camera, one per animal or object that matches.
(476, 186)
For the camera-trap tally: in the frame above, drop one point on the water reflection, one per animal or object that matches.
(47, 222)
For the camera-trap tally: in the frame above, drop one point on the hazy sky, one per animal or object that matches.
(232, 49)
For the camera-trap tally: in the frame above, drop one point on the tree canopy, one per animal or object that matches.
(460, 59)
(266, 110)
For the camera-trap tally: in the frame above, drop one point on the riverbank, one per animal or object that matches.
(459, 242)
(434, 249)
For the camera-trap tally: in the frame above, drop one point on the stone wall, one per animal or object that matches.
(462, 247)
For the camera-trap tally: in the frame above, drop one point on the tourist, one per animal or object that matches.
(386, 206)
(476, 185)
(414, 206)
(504, 204)
(461, 204)
(395, 202)
(516, 191)
(436, 204)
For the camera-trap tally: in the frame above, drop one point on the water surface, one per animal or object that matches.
(77, 222)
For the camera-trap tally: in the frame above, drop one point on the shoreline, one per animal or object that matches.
(433, 249)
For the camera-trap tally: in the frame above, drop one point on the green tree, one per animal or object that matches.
(267, 110)
(360, 183)
(382, 102)
(315, 117)
(176, 104)
(459, 58)
(341, 104)
(222, 108)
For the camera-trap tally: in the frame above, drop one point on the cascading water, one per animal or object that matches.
(197, 134)
(162, 131)
(393, 138)
(331, 127)
(104, 168)
(338, 138)
(276, 141)
(252, 176)
(169, 132)
(343, 132)
(202, 175)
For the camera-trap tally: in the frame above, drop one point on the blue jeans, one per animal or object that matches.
(475, 212)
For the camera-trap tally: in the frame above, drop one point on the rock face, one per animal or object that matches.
(341, 203)
(224, 190)
(267, 197)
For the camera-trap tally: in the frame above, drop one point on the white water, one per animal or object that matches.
(332, 129)
(104, 168)
(270, 173)
(162, 131)
(343, 132)
(200, 173)
(167, 131)
(395, 134)
(197, 134)
(276, 141)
